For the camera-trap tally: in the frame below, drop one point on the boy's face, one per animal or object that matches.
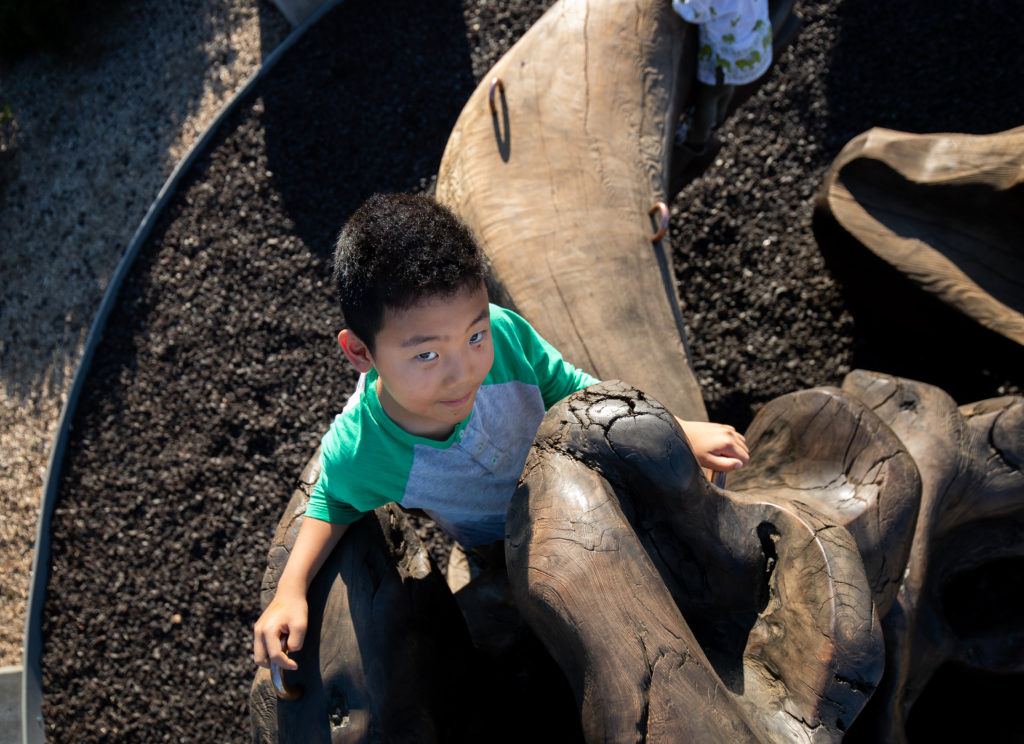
(431, 359)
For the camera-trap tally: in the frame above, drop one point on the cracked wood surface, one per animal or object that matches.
(557, 185)
(378, 587)
(679, 611)
(828, 450)
(970, 521)
(945, 210)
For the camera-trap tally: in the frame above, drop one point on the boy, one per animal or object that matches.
(452, 390)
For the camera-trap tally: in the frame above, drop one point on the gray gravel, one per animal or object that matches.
(218, 374)
(97, 132)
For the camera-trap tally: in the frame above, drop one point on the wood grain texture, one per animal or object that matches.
(945, 210)
(826, 449)
(558, 183)
(968, 539)
(387, 655)
(678, 611)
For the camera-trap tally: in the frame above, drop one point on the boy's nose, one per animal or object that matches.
(456, 370)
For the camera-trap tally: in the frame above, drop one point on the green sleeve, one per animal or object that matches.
(556, 377)
(326, 500)
(328, 508)
(361, 468)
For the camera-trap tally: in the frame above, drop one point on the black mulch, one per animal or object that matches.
(218, 372)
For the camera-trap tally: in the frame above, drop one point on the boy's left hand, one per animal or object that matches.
(717, 446)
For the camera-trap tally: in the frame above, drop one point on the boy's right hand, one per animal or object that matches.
(283, 622)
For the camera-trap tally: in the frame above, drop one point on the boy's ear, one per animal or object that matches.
(357, 352)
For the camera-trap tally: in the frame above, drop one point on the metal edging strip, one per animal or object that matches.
(32, 688)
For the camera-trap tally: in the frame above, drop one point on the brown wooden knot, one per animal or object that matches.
(284, 690)
(496, 84)
(662, 222)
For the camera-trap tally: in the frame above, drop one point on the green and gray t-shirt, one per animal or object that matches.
(465, 482)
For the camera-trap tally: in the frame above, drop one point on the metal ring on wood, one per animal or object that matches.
(663, 222)
(496, 84)
(284, 690)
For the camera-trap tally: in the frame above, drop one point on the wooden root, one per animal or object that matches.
(680, 612)
(942, 210)
(387, 655)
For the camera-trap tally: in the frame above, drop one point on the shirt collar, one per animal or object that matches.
(380, 416)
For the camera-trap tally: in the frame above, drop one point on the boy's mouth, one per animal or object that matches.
(459, 401)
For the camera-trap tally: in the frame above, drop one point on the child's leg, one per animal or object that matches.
(704, 117)
(723, 98)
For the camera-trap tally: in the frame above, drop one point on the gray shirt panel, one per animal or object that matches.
(467, 487)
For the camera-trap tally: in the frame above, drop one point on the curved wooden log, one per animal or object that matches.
(557, 185)
(970, 528)
(614, 537)
(387, 655)
(826, 449)
(944, 210)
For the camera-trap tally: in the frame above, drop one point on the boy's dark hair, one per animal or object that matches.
(396, 250)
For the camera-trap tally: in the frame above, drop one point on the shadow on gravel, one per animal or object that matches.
(377, 99)
(65, 213)
(925, 66)
(922, 66)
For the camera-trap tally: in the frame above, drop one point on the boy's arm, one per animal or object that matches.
(286, 616)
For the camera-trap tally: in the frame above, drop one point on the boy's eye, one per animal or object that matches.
(427, 356)
(477, 337)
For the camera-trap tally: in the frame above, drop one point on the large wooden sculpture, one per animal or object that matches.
(946, 211)
(756, 599)
(680, 612)
(555, 163)
(387, 655)
(675, 610)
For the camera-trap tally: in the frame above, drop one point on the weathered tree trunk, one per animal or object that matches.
(969, 538)
(387, 656)
(557, 183)
(680, 612)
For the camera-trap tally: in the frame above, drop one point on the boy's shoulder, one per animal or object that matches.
(503, 320)
(343, 440)
(513, 339)
(355, 431)
(358, 460)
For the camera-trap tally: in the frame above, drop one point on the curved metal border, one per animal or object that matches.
(32, 728)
